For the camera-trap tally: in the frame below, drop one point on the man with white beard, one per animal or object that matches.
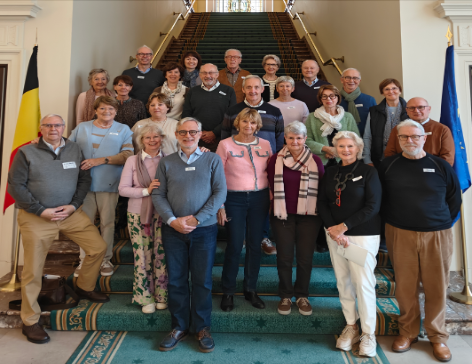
(421, 199)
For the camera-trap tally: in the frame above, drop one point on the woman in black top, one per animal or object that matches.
(349, 202)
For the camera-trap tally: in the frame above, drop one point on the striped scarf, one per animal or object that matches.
(308, 192)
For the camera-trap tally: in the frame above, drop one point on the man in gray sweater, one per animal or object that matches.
(49, 186)
(192, 189)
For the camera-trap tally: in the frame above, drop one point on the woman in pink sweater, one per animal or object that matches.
(245, 158)
(144, 224)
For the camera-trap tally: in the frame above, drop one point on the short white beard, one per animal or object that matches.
(412, 153)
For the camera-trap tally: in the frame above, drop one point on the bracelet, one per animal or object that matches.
(345, 226)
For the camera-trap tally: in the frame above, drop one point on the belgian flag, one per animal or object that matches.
(27, 125)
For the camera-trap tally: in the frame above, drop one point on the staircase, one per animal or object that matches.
(254, 34)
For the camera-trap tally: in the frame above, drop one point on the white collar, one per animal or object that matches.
(424, 122)
(144, 155)
(63, 143)
(258, 105)
(211, 89)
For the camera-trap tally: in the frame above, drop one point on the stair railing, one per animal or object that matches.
(331, 61)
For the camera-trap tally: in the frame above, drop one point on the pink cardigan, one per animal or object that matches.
(129, 186)
(245, 165)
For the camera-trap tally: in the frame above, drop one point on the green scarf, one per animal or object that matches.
(351, 107)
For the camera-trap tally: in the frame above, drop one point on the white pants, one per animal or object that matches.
(356, 281)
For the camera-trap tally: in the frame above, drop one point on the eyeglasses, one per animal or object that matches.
(51, 126)
(415, 138)
(347, 78)
(191, 132)
(326, 97)
(413, 108)
(391, 89)
(233, 57)
(271, 64)
(208, 73)
(144, 54)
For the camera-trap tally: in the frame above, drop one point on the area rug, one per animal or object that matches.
(121, 347)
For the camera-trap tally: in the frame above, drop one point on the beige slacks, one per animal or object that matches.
(38, 235)
(426, 257)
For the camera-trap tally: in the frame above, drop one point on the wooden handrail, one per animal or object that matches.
(331, 61)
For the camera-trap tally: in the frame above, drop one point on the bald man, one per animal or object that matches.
(439, 141)
(208, 103)
(307, 89)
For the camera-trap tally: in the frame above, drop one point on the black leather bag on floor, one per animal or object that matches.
(53, 295)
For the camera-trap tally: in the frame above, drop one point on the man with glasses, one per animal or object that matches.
(307, 89)
(232, 75)
(145, 78)
(192, 189)
(439, 142)
(354, 101)
(208, 103)
(421, 200)
(49, 187)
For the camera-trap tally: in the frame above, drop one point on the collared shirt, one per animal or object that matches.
(211, 89)
(258, 105)
(137, 67)
(424, 122)
(310, 84)
(232, 77)
(144, 155)
(58, 149)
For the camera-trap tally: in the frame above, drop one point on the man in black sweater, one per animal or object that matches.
(208, 104)
(421, 200)
(307, 89)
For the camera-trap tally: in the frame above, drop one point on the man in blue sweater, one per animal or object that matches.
(192, 189)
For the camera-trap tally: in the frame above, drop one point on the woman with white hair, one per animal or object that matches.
(294, 219)
(349, 204)
(271, 64)
(144, 224)
(291, 109)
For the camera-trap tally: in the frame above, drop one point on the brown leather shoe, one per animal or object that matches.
(441, 352)
(35, 334)
(92, 296)
(402, 343)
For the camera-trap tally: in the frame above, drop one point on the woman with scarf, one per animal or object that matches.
(173, 88)
(144, 224)
(294, 219)
(98, 79)
(191, 61)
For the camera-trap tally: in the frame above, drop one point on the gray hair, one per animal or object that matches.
(295, 127)
(52, 116)
(285, 79)
(144, 46)
(253, 76)
(351, 69)
(233, 49)
(96, 71)
(271, 56)
(150, 127)
(350, 135)
(184, 120)
(409, 122)
(307, 60)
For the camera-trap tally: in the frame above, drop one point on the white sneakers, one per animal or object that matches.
(151, 308)
(348, 337)
(106, 269)
(368, 346)
(161, 306)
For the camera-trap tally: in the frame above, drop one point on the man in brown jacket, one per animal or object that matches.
(232, 75)
(439, 141)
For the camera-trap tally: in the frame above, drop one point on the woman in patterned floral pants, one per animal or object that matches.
(144, 224)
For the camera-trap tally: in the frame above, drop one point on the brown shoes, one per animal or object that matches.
(441, 352)
(35, 334)
(92, 296)
(267, 247)
(402, 343)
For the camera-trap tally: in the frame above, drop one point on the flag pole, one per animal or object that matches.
(14, 284)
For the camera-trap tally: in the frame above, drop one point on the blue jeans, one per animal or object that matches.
(194, 253)
(248, 213)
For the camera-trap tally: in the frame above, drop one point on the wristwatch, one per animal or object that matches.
(345, 226)
(198, 222)
(106, 160)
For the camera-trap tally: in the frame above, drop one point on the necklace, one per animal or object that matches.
(341, 185)
(103, 126)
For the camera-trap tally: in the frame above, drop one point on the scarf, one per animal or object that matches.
(392, 121)
(89, 112)
(171, 93)
(308, 191)
(190, 78)
(351, 107)
(329, 121)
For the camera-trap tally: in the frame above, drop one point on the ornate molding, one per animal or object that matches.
(457, 9)
(18, 10)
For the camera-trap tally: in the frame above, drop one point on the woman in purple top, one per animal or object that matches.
(294, 218)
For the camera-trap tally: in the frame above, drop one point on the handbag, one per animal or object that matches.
(53, 295)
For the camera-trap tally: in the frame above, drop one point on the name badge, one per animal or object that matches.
(428, 133)
(262, 111)
(316, 88)
(266, 84)
(69, 165)
(356, 179)
(221, 92)
(141, 77)
(140, 126)
(428, 170)
(243, 77)
(258, 147)
(190, 169)
(359, 105)
(114, 134)
(291, 107)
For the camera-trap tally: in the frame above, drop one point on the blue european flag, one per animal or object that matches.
(450, 117)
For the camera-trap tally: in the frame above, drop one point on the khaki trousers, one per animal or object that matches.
(105, 204)
(425, 257)
(38, 235)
